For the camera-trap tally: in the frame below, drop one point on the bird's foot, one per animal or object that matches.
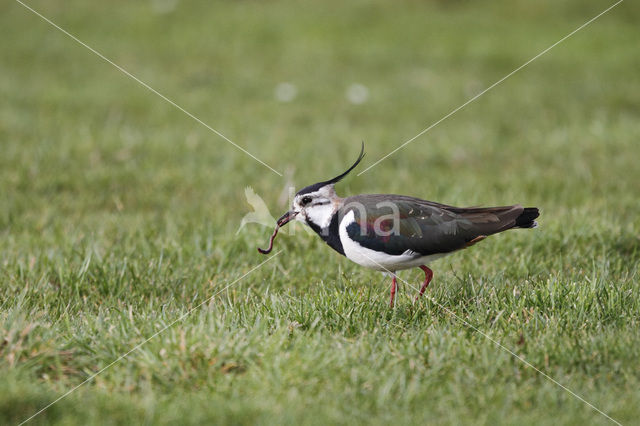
(428, 275)
(394, 287)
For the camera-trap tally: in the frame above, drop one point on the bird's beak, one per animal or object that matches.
(286, 218)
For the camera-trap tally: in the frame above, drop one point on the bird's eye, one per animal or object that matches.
(306, 200)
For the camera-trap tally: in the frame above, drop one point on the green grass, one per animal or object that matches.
(118, 213)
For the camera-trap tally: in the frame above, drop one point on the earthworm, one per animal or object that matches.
(273, 236)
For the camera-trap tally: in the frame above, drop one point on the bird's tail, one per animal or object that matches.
(526, 218)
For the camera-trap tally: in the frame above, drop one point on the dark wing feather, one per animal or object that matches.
(422, 226)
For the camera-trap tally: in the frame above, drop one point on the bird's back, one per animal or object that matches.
(396, 223)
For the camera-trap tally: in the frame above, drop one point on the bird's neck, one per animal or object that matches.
(329, 233)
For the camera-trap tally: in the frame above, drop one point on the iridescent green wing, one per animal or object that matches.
(394, 224)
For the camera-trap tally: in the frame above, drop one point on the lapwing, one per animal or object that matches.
(389, 233)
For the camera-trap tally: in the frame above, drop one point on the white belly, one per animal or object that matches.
(377, 260)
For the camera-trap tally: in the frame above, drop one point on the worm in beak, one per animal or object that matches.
(284, 219)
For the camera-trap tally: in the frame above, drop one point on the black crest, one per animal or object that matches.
(316, 186)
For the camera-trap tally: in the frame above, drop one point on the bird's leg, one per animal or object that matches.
(394, 286)
(428, 274)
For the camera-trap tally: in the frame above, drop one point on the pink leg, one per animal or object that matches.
(394, 286)
(428, 274)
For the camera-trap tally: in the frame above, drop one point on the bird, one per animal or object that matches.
(389, 233)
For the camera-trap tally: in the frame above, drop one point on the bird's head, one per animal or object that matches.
(315, 204)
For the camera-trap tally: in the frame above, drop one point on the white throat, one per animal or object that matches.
(320, 215)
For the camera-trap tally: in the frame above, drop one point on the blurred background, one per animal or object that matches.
(302, 84)
(100, 179)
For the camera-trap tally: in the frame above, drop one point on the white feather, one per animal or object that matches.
(320, 215)
(378, 260)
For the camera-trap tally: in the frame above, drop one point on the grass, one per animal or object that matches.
(118, 213)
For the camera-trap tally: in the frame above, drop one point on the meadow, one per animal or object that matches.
(118, 212)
